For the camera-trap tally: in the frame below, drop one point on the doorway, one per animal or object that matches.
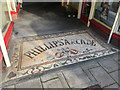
(85, 11)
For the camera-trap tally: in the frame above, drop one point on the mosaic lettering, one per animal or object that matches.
(53, 44)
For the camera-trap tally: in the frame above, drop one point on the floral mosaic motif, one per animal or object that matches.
(34, 70)
(65, 51)
(56, 65)
(69, 60)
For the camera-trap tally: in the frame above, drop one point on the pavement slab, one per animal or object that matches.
(56, 83)
(48, 76)
(89, 64)
(34, 83)
(91, 77)
(102, 76)
(115, 75)
(54, 80)
(116, 56)
(62, 79)
(108, 64)
(75, 77)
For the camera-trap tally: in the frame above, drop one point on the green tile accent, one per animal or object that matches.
(50, 79)
(93, 67)
(109, 85)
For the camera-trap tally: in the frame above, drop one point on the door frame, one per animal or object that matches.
(83, 17)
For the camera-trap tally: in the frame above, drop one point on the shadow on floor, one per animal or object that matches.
(45, 18)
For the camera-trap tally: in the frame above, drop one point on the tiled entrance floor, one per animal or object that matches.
(34, 20)
(79, 75)
(38, 54)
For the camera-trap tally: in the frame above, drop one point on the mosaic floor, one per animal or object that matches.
(41, 53)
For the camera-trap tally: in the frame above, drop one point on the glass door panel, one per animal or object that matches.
(106, 12)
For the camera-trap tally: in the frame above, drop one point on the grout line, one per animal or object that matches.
(85, 73)
(108, 73)
(15, 87)
(93, 67)
(93, 75)
(61, 80)
(110, 85)
(65, 79)
(114, 71)
(41, 83)
(50, 79)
